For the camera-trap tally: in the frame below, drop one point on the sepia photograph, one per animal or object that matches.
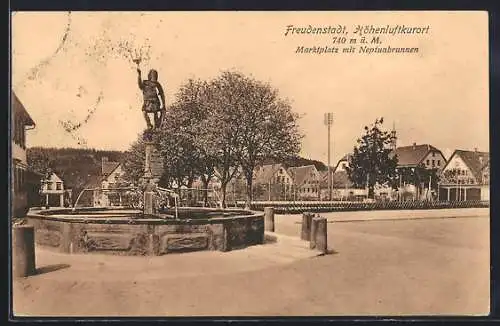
(249, 163)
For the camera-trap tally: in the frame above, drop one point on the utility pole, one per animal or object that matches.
(328, 122)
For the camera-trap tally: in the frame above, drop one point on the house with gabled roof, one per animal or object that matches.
(410, 157)
(111, 176)
(53, 190)
(343, 163)
(306, 182)
(466, 176)
(420, 155)
(272, 182)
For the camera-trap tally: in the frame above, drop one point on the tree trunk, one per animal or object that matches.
(248, 202)
(223, 199)
(249, 190)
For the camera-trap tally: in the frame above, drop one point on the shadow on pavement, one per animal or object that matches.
(51, 268)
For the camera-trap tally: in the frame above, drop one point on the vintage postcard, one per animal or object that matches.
(250, 163)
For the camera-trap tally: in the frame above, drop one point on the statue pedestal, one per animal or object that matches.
(149, 207)
(153, 168)
(147, 164)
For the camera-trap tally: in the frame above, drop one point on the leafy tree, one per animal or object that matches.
(266, 123)
(221, 127)
(133, 161)
(193, 97)
(219, 134)
(180, 140)
(372, 162)
(40, 160)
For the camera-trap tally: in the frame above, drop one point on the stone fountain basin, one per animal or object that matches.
(129, 232)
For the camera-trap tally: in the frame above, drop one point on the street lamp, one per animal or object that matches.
(328, 121)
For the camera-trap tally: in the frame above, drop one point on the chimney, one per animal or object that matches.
(414, 146)
(475, 149)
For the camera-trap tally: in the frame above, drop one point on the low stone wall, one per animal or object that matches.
(124, 236)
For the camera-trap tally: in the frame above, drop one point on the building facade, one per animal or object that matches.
(306, 182)
(466, 176)
(272, 182)
(20, 173)
(415, 157)
(53, 191)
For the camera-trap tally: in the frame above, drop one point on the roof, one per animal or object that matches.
(94, 182)
(108, 167)
(19, 107)
(302, 173)
(264, 173)
(53, 177)
(344, 158)
(475, 161)
(486, 164)
(414, 154)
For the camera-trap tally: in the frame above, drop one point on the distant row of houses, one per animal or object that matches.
(55, 194)
(272, 182)
(464, 176)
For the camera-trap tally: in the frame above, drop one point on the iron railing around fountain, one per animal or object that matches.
(162, 192)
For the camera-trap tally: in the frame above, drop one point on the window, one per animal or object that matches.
(49, 185)
(427, 162)
(343, 166)
(439, 162)
(433, 154)
(433, 163)
(58, 186)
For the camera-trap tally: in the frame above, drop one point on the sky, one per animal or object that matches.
(71, 69)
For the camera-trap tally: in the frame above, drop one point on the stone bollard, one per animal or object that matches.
(269, 219)
(306, 226)
(321, 234)
(314, 230)
(23, 250)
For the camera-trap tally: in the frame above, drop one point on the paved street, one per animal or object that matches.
(386, 263)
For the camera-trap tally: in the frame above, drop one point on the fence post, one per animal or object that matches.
(269, 219)
(23, 250)
(306, 226)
